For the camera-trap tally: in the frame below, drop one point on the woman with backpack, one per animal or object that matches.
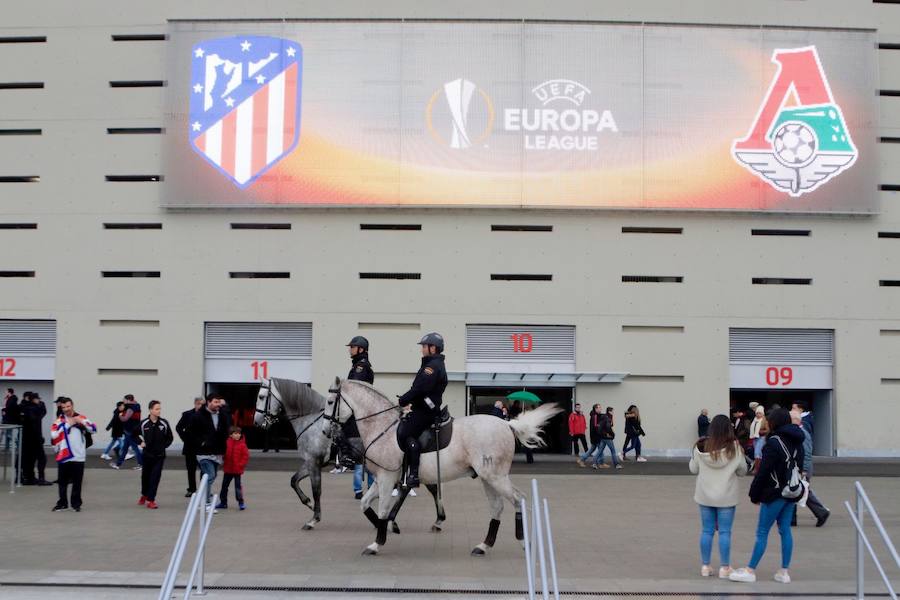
(633, 433)
(717, 460)
(775, 489)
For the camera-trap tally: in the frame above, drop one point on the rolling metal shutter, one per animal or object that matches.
(255, 340)
(789, 346)
(526, 348)
(36, 338)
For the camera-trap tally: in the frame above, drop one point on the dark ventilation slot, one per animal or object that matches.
(782, 232)
(130, 274)
(128, 372)
(390, 276)
(889, 282)
(534, 228)
(139, 37)
(21, 131)
(652, 279)
(136, 83)
(16, 273)
(132, 226)
(21, 85)
(781, 281)
(664, 230)
(390, 227)
(889, 140)
(259, 275)
(889, 187)
(126, 178)
(889, 93)
(521, 277)
(889, 234)
(260, 225)
(133, 130)
(20, 178)
(18, 225)
(888, 46)
(23, 39)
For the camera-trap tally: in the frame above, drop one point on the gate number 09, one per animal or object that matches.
(779, 376)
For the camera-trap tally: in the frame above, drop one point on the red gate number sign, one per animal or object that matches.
(782, 376)
(7, 367)
(260, 369)
(522, 342)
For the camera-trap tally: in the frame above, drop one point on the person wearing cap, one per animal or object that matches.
(424, 402)
(360, 370)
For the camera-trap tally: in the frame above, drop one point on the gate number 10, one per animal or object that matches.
(779, 376)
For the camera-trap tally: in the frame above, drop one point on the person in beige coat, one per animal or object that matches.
(718, 461)
(759, 429)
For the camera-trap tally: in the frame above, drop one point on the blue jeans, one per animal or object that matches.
(590, 452)
(117, 442)
(604, 444)
(712, 518)
(632, 443)
(210, 468)
(779, 511)
(129, 442)
(358, 478)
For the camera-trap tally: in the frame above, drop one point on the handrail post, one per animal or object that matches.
(529, 572)
(860, 551)
(201, 537)
(539, 538)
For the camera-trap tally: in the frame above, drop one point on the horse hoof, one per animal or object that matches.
(395, 528)
(477, 552)
(371, 550)
(436, 529)
(307, 527)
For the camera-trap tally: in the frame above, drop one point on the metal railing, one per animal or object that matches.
(11, 439)
(862, 542)
(196, 506)
(539, 541)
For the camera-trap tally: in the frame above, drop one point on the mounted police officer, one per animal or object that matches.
(424, 400)
(360, 370)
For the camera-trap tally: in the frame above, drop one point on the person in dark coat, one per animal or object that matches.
(594, 433)
(633, 433)
(189, 444)
(131, 425)
(116, 430)
(766, 490)
(154, 436)
(11, 415)
(210, 429)
(33, 410)
(703, 423)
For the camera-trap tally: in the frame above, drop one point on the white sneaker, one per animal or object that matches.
(334, 471)
(743, 575)
(212, 509)
(395, 493)
(105, 456)
(705, 571)
(621, 456)
(724, 572)
(641, 459)
(130, 455)
(137, 468)
(413, 493)
(782, 576)
(114, 465)
(619, 466)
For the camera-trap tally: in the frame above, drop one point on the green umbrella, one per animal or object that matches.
(524, 397)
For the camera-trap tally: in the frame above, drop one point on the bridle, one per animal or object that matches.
(334, 418)
(271, 417)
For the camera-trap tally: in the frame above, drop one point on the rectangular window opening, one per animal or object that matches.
(128, 323)
(260, 225)
(889, 234)
(889, 282)
(890, 381)
(390, 276)
(390, 227)
(21, 85)
(889, 187)
(128, 372)
(132, 226)
(652, 279)
(889, 332)
(23, 39)
(653, 328)
(656, 378)
(782, 232)
(21, 131)
(781, 281)
(889, 93)
(662, 230)
(389, 326)
(130, 274)
(259, 275)
(139, 37)
(132, 178)
(17, 273)
(531, 228)
(137, 83)
(133, 130)
(18, 225)
(521, 277)
(20, 178)
(889, 140)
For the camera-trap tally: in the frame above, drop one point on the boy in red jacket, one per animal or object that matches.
(236, 458)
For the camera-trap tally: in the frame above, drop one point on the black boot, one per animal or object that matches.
(412, 478)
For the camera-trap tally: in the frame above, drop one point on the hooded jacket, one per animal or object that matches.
(772, 474)
(717, 483)
(594, 426)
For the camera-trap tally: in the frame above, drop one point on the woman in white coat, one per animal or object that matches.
(759, 429)
(718, 461)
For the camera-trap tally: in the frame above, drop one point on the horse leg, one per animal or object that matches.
(385, 484)
(366, 505)
(438, 507)
(496, 504)
(315, 478)
(295, 485)
(404, 492)
(509, 492)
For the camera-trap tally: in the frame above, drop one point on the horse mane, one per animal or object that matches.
(299, 396)
(366, 384)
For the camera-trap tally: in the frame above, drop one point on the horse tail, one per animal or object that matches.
(528, 426)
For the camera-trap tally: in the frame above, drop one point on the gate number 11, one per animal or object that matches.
(260, 369)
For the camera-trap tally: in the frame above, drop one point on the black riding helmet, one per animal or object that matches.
(433, 339)
(360, 342)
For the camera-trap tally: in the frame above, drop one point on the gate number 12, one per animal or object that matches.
(7, 367)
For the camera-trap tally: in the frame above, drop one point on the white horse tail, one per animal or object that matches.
(528, 425)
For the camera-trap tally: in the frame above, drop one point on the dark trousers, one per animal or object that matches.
(632, 442)
(411, 427)
(33, 454)
(151, 474)
(190, 464)
(238, 488)
(813, 504)
(70, 472)
(575, 439)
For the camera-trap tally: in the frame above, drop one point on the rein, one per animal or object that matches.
(335, 423)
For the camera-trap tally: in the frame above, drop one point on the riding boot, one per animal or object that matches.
(412, 478)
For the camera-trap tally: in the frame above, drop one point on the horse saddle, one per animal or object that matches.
(428, 441)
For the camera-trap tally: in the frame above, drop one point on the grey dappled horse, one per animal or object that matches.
(481, 445)
(305, 409)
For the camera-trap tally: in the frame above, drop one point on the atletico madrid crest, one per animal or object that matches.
(799, 140)
(245, 103)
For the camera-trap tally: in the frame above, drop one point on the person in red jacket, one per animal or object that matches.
(236, 458)
(577, 427)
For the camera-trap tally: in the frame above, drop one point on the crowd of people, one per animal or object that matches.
(600, 425)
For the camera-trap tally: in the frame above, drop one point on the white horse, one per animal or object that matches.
(482, 446)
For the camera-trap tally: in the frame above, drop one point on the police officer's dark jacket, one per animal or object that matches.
(430, 382)
(156, 436)
(360, 371)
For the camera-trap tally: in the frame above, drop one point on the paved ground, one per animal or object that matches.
(613, 534)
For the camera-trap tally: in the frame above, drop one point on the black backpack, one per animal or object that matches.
(791, 483)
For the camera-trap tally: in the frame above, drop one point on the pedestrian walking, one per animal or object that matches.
(703, 423)
(577, 428)
(717, 460)
(759, 428)
(70, 435)
(32, 411)
(497, 409)
(594, 433)
(131, 425)
(781, 455)
(236, 458)
(155, 435)
(819, 511)
(210, 426)
(10, 415)
(116, 430)
(633, 433)
(742, 430)
(607, 435)
(189, 444)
